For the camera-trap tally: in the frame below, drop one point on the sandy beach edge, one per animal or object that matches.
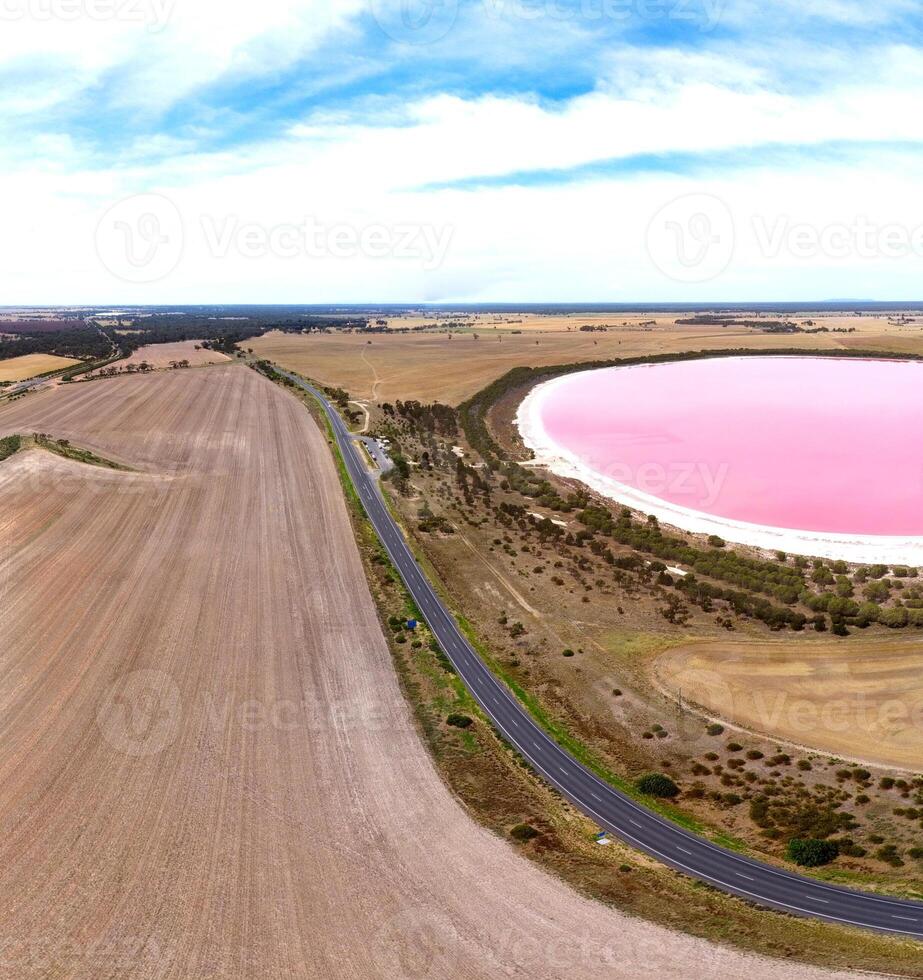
(864, 549)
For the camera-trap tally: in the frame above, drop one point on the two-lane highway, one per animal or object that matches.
(610, 808)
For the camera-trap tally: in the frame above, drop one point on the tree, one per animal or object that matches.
(401, 466)
(811, 852)
(657, 784)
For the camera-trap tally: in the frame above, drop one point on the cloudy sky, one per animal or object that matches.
(161, 151)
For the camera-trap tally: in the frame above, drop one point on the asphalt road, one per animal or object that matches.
(608, 807)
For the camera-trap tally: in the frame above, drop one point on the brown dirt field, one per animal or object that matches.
(160, 355)
(862, 700)
(431, 367)
(207, 767)
(29, 365)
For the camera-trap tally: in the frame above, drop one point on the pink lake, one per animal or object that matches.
(813, 444)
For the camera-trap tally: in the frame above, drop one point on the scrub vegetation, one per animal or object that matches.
(538, 565)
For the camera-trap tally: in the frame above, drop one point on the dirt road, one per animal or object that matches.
(207, 769)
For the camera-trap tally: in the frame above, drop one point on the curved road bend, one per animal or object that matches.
(611, 809)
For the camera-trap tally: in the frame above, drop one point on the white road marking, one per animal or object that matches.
(380, 511)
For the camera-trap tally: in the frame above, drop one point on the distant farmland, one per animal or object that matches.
(31, 365)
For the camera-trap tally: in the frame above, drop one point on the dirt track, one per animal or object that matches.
(206, 766)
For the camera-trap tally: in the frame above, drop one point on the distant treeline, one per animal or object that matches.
(766, 326)
(95, 339)
(82, 343)
(224, 333)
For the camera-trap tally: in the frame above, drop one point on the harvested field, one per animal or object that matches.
(433, 367)
(207, 768)
(863, 700)
(160, 355)
(29, 365)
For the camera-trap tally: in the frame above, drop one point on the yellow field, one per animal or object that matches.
(30, 365)
(436, 366)
(564, 322)
(861, 699)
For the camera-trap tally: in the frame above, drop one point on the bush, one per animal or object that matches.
(523, 832)
(811, 853)
(459, 721)
(894, 618)
(657, 784)
(888, 853)
(715, 729)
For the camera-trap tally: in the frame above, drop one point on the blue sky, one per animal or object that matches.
(431, 150)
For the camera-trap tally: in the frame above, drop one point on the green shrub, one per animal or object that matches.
(9, 445)
(888, 853)
(523, 832)
(459, 721)
(715, 729)
(810, 852)
(894, 618)
(657, 784)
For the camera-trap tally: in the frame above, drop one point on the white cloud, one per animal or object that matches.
(364, 164)
(155, 51)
